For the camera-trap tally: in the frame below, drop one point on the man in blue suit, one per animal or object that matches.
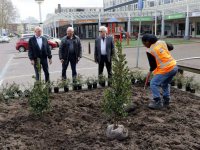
(38, 47)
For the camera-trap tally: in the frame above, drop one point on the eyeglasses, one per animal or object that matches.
(101, 31)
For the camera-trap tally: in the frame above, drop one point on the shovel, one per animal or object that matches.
(147, 80)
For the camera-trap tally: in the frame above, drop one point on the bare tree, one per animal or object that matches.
(8, 13)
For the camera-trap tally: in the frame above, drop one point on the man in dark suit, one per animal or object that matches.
(38, 47)
(104, 45)
(70, 50)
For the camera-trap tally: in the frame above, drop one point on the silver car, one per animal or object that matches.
(1, 39)
(5, 39)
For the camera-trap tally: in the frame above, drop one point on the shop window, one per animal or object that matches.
(90, 31)
(86, 31)
(166, 1)
(198, 28)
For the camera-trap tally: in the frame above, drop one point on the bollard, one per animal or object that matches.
(83, 46)
(127, 38)
(89, 51)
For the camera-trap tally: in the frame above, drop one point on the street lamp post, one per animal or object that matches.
(40, 2)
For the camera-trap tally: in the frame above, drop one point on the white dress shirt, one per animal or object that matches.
(103, 46)
(39, 41)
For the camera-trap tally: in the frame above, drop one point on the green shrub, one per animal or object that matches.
(118, 96)
(39, 98)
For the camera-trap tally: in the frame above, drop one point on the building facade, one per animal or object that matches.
(171, 18)
(78, 9)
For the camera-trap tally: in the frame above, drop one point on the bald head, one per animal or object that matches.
(38, 31)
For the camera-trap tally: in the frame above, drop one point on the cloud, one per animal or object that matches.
(30, 8)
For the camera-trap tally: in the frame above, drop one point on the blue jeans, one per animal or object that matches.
(44, 63)
(72, 60)
(163, 80)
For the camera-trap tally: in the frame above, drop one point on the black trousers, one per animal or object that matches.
(104, 60)
(72, 60)
(44, 63)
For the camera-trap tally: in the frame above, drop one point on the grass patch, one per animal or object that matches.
(133, 42)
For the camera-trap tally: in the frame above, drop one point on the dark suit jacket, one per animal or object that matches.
(64, 48)
(109, 48)
(34, 51)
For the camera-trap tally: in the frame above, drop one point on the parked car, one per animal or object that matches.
(58, 41)
(22, 44)
(5, 39)
(1, 39)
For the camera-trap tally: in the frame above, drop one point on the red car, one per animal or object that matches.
(22, 44)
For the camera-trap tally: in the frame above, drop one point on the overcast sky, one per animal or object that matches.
(30, 8)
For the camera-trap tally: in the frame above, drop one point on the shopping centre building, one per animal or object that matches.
(171, 18)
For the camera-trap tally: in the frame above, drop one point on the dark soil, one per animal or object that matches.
(77, 122)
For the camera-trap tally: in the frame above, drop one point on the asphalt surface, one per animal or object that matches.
(16, 67)
(20, 70)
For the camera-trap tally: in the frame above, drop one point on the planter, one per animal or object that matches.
(19, 92)
(103, 84)
(133, 80)
(94, 85)
(192, 90)
(179, 86)
(187, 88)
(79, 87)
(90, 86)
(56, 89)
(27, 93)
(75, 87)
(50, 90)
(66, 89)
(1, 97)
(172, 83)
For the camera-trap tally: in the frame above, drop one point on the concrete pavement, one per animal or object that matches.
(20, 70)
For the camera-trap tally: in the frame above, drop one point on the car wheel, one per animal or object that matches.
(57, 44)
(22, 49)
(50, 47)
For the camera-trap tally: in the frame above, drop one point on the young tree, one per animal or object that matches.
(118, 96)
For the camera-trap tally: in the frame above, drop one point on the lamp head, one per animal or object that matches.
(39, 1)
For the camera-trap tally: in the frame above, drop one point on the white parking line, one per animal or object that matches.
(49, 72)
(1, 82)
(5, 68)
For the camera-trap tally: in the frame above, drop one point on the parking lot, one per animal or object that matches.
(16, 67)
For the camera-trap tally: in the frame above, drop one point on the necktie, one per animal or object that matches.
(103, 39)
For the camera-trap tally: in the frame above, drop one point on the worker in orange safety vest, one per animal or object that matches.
(164, 67)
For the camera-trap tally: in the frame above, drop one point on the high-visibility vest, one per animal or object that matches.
(164, 60)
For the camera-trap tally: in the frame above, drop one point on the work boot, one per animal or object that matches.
(165, 102)
(156, 104)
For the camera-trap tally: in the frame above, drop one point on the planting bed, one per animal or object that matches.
(78, 122)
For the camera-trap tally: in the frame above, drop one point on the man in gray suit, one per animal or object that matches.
(103, 52)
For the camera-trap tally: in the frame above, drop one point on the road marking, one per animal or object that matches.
(11, 77)
(1, 82)
(5, 68)
(14, 64)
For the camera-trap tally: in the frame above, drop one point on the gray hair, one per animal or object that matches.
(37, 28)
(103, 28)
(70, 28)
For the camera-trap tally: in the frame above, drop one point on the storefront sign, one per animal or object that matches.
(63, 22)
(142, 19)
(85, 21)
(194, 14)
(176, 16)
(120, 19)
